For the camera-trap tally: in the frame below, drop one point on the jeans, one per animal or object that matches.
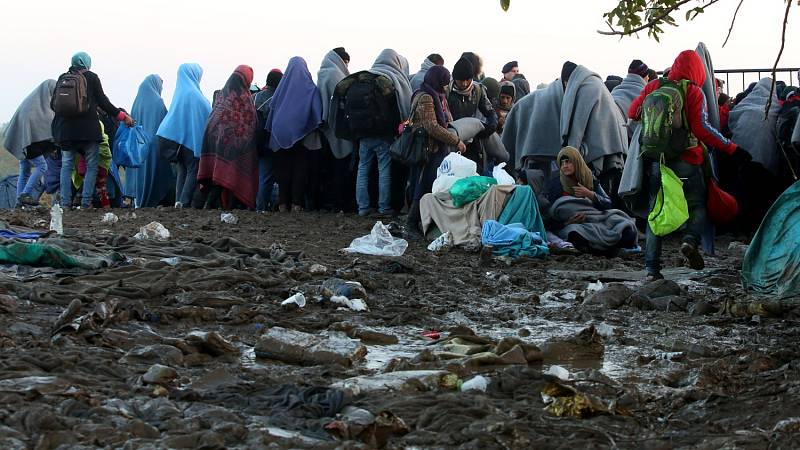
(91, 152)
(31, 171)
(368, 149)
(187, 176)
(266, 180)
(694, 189)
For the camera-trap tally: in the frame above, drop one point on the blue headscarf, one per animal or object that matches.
(186, 120)
(82, 60)
(155, 179)
(296, 108)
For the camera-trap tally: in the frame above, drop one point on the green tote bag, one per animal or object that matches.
(670, 210)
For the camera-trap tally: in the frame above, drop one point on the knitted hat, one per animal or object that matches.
(509, 67)
(463, 70)
(274, 77)
(638, 67)
(507, 88)
(342, 54)
(651, 74)
(566, 71)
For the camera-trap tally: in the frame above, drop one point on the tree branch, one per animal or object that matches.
(654, 21)
(733, 21)
(778, 59)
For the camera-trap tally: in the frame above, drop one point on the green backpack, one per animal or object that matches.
(665, 130)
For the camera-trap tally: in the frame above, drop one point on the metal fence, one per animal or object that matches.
(732, 77)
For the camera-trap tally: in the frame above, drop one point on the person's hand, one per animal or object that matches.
(577, 219)
(129, 122)
(582, 192)
(462, 147)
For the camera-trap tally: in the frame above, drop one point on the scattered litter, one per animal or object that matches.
(593, 287)
(355, 304)
(317, 269)
(432, 334)
(338, 287)
(298, 299)
(56, 218)
(379, 242)
(110, 218)
(478, 383)
(791, 424)
(604, 330)
(566, 401)
(154, 231)
(174, 261)
(228, 218)
(558, 372)
(442, 243)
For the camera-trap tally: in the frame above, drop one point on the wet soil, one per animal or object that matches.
(158, 351)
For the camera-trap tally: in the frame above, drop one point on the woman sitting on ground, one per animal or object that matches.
(581, 212)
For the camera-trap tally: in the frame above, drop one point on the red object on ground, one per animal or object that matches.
(432, 334)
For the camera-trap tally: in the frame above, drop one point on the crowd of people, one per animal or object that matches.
(582, 143)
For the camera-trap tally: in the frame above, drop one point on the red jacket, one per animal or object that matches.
(688, 66)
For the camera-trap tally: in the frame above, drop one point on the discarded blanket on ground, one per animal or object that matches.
(464, 223)
(512, 240)
(751, 131)
(772, 262)
(47, 255)
(602, 229)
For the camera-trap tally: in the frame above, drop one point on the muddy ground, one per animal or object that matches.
(163, 349)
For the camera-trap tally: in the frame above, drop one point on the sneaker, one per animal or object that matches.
(653, 277)
(178, 205)
(693, 256)
(366, 212)
(27, 200)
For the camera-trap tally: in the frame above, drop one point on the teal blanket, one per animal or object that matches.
(772, 263)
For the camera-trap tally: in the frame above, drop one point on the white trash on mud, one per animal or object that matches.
(379, 242)
(153, 231)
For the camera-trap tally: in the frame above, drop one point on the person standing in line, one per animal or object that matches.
(76, 125)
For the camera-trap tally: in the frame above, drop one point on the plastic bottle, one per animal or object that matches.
(56, 218)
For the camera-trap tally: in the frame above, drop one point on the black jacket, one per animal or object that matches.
(86, 127)
(462, 106)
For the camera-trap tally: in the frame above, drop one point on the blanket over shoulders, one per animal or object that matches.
(532, 127)
(751, 131)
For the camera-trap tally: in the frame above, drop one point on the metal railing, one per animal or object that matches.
(787, 75)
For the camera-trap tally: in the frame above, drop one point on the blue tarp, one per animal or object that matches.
(772, 263)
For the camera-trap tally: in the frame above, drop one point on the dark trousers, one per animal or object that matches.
(421, 179)
(694, 189)
(291, 167)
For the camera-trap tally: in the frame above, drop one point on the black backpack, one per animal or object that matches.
(71, 96)
(368, 107)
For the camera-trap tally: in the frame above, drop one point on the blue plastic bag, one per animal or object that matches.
(130, 147)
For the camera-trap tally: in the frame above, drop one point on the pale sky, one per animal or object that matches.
(129, 40)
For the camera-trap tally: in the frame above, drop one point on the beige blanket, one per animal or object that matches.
(464, 223)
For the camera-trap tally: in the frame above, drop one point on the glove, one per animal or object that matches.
(741, 156)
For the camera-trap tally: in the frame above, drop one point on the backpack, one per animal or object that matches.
(665, 130)
(71, 96)
(369, 106)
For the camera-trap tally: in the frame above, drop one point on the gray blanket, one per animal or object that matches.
(603, 229)
(626, 93)
(467, 128)
(31, 122)
(419, 77)
(395, 67)
(751, 131)
(532, 127)
(331, 72)
(592, 122)
(710, 85)
(632, 188)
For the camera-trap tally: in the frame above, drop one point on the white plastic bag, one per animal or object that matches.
(298, 299)
(443, 242)
(478, 383)
(502, 177)
(379, 242)
(228, 218)
(110, 218)
(453, 168)
(153, 230)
